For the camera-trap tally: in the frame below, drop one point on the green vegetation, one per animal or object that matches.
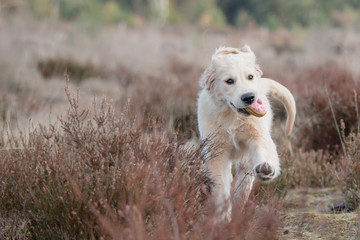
(271, 14)
(282, 13)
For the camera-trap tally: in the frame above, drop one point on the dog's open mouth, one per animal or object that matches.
(257, 109)
(240, 110)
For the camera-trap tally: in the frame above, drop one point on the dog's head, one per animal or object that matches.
(233, 77)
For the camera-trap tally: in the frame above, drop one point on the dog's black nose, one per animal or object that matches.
(248, 98)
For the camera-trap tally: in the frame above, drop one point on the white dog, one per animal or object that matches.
(235, 113)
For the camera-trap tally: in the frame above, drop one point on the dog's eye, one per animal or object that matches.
(250, 76)
(229, 81)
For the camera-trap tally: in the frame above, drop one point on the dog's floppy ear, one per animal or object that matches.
(225, 51)
(208, 77)
(285, 96)
(245, 49)
(258, 70)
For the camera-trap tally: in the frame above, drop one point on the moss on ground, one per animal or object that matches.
(307, 215)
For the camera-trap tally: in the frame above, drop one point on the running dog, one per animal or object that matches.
(235, 113)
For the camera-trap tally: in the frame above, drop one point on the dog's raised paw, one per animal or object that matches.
(264, 171)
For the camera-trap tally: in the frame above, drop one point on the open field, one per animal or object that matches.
(110, 150)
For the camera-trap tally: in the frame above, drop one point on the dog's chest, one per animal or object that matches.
(243, 130)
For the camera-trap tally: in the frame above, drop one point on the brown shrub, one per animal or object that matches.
(92, 175)
(349, 176)
(169, 97)
(341, 86)
(314, 169)
(308, 169)
(313, 87)
(53, 67)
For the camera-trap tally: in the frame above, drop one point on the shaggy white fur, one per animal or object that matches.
(241, 139)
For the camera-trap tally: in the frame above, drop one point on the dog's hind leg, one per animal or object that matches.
(243, 184)
(219, 169)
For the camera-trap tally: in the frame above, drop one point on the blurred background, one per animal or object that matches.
(108, 47)
(268, 14)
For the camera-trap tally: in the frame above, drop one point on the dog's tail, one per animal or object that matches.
(285, 96)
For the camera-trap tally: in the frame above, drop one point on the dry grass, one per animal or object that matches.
(350, 170)
(102, 176)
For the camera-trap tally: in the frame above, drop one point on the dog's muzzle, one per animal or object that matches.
(240, 110)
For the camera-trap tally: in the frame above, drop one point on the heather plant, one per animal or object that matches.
(94, 174)
(317, 90)
(50, 68)
(177, 103)
(303, 169)
(308, 169)
(350, 170)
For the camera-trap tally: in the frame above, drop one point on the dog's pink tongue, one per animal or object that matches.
(257, 109)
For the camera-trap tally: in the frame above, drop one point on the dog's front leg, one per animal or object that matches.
(265, 159)
(219, 169)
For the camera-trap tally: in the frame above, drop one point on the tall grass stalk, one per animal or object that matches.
(335, 122)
